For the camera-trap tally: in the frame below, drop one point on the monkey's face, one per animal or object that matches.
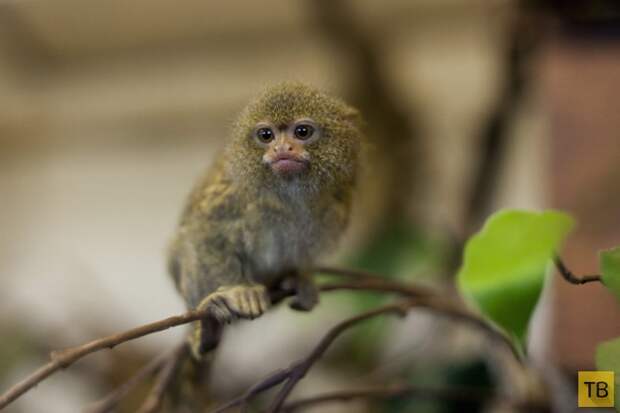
(285, 145)
(296, 136)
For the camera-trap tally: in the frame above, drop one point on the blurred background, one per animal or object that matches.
(109, 111)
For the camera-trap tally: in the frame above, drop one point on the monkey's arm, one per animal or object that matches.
(209, 275)
(204, 258)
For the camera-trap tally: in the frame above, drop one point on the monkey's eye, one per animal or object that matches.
(303, 131)
(264, 135)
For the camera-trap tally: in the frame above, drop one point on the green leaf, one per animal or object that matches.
(504, 265)
(610, 267)
(608, 359)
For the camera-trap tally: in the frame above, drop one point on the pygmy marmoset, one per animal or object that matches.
(278, 196)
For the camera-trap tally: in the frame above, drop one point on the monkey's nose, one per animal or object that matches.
(283, 148)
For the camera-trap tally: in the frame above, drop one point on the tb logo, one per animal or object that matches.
(596, 389)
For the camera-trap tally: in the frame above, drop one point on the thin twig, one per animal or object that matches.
(443, 307)
(64, 358)
(294, 373)
(572, 278)
(349, 273)
(267, 383)
(376, 283)
(370, 282)
(456, 394)
(166, 375)
(435, 304)
(298, 369)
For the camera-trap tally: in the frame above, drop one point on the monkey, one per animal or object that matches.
(275, 200)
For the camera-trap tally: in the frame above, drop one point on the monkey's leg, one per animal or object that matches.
(306, 293)
(206, 336)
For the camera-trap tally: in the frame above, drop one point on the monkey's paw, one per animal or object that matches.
(306, 296)
(228, 303)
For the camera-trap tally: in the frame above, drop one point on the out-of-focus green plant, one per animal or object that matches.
(504, 268)
(610, 270)
(503, 273)
(505, 264)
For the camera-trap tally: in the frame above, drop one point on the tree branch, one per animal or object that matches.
(301, 369)
(572, 278)
(64, 358)
(297, 370)
(425, 298)
(294, 373)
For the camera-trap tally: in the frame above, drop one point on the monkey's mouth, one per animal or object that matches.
(287, 164)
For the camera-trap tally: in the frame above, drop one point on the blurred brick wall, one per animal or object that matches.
(582, 89)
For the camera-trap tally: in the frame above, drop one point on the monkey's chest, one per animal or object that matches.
(277, 245)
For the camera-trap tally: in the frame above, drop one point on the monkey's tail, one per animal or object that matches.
(191, 392)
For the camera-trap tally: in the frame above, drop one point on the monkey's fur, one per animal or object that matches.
(254, 222)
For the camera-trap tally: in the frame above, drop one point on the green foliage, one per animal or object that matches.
(504, 265)
(608, 359)
(610, 268)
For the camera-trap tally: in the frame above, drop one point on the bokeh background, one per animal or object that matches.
(110, 110)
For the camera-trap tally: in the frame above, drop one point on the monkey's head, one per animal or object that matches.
(295, 135)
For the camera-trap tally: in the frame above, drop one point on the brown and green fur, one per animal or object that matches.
(245, 229)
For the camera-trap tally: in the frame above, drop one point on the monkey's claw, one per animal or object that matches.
(239, 301)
